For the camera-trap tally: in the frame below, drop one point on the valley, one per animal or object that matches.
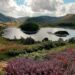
(47, 40)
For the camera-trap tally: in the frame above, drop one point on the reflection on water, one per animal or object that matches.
(13, 32)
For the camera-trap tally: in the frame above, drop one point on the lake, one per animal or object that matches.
(47, 32)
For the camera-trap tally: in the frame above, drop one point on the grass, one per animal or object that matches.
(3, 64)
(42, 54)
(2, 72)
(7, 45)
(39, 55)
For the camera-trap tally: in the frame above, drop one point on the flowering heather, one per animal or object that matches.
(62, 63)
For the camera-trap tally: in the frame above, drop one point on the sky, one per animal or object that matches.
(30, 8)
(20, 2)
(69, 1)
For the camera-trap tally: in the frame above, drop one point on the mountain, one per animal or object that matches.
(69, 18)
(49, 21)
(4, 18)
(21, 20)
(67, 21)
(42, 19)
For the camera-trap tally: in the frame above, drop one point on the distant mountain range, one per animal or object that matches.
(4, 18)
(43, 19)
(70, 18)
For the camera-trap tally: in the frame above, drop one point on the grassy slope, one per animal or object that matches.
(6, 45)
(45, 52)
(40, 54)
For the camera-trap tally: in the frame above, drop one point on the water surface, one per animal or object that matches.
(48, 32)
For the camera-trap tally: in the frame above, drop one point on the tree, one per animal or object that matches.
(61, 33)
(27, 41)
(29, 27)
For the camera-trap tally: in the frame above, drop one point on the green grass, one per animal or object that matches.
(2, 73)
(33, 51)
(37, 55)
(43, 53)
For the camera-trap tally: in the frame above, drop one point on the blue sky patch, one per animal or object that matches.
(69, 1)
(20, 2)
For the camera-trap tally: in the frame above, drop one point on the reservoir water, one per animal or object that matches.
(48, 32)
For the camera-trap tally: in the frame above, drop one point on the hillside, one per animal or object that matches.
(4, 18)
(67, 21)
(42, 19)
(69, 18)
(50, 21)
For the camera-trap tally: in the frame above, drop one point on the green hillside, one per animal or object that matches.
(70, 18)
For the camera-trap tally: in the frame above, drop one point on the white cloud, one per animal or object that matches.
(40, 5)
(47, 7)
(10, 8)
(70, 8)
(36, 8)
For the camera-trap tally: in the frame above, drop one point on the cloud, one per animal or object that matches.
(50, 5)
(10, 8)
(7, 6)
(70, 8)
(46, 7)
(36, 8)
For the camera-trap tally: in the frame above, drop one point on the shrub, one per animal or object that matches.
(48, 45)
(13, 53)
(39, 55)
(71, 40)
(45, 39)
(61, 42)
(62, 63)
(1, 30)
(27, 41)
